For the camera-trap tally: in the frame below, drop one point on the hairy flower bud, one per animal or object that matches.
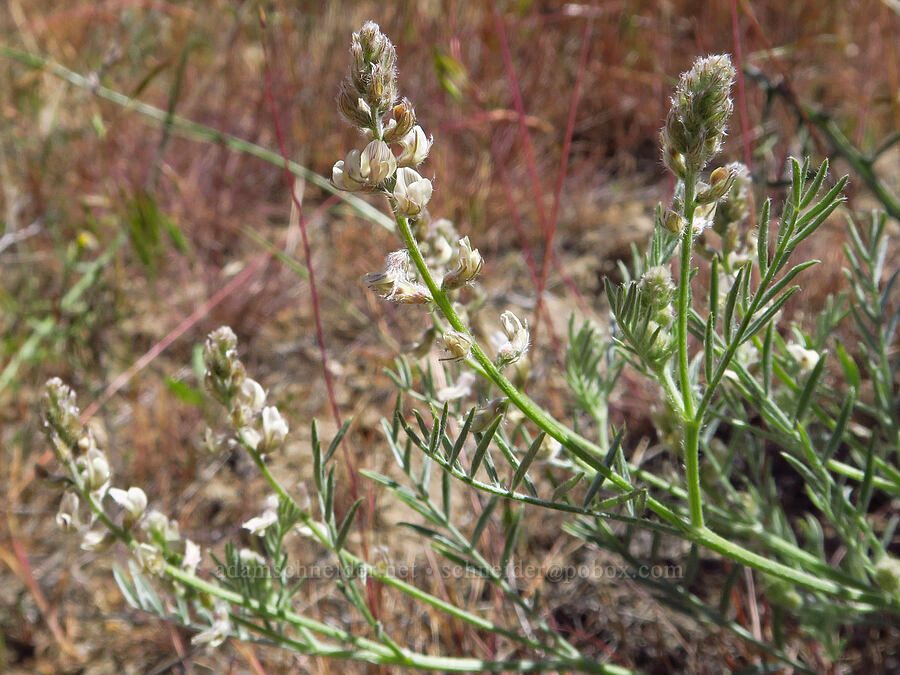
(414, 147)
(516, 339)
(412, 192)
(720, 183)
(701, 106)
(672, 221)
(735, 206)
(456, 344)
(353, 107)
(468, 266)
(224, 371)
(372, 77)
(402, 121)
(657, 287)
(485, 415)
(60, 416)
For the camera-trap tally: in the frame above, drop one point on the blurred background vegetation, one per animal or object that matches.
(122, 243)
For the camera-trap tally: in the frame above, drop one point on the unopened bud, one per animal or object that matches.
(485, 415)
(657, 287)
(672, 221)
(721, 181)
(401, 123)
(60, 416)
(735, 206)
(224, 371)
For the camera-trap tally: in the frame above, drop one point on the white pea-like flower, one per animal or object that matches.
(192, 556)
(97, 540)
(133, 500)
(394, 283)
(94, 469)
(218, 631)
(252, 395)
(366, 169)
(150, 558)
(468, 267)
(260, 524)
(161, 527)
(412, 192)
(414, 147)
(516, 339)
(67, 517)
(344, 170)
(275, 429)
(249, 557)
(805, 358)
(251, 437)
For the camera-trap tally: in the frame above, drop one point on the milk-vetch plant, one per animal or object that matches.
(738, 385)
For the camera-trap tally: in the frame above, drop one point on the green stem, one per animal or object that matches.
(692, 420)
(692, 471)
(587, 452)
(684, 297)
(321, 534)
(375, 652)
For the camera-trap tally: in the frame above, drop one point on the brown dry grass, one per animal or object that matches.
(71, 162)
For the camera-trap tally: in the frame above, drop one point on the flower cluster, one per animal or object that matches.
(86, 507)
(701, 106)
(368, 100)
(259, 426)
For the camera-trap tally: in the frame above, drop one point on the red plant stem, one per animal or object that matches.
(563, 164)
(526, 248)
(742, 99)
(317, 315)
(548, 226)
